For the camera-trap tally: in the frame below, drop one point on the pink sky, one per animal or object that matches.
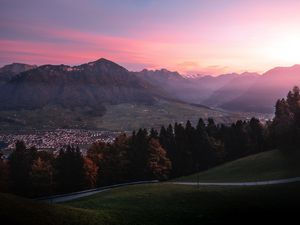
(205, 37)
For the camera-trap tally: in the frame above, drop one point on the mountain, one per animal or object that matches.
(205, 90)
(263, 93)
(88, 85)
(190, 89)
(202, 88)
(9, 71)
(172, 83)
(246, 92)
(160, 77)
(231, 89)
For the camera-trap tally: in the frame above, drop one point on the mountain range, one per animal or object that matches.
(94, 84)
(246, 92)
(89, 85)
(266, 90)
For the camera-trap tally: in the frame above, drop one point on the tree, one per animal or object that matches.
(114, 165)
(204, 154)
(153, 133)
(70, 173)
(200, 125)
(285, 129)
(137, 154)
(96, 154)
(256, 135)
(91, 172)
(41, 177)
(211, 128)
(20, 162)
(183, 154)
(293, 101)
(158, 164)
(4, 175)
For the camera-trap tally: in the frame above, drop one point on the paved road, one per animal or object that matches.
(258, 183)
(80, 194)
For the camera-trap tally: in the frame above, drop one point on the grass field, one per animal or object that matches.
(269, 165)
(21, 211)
(162, 204)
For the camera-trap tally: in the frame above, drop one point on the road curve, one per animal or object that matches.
(257, 183)
(80, 194)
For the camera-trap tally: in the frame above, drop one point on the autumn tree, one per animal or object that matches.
(158, 164)
(91, 172)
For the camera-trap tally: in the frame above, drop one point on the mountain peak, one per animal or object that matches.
(17, 68)
(103, 64)
(102, 61)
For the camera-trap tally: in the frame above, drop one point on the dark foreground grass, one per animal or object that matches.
(19, 211)
(162, 204)
(269, 165)
(174, 204)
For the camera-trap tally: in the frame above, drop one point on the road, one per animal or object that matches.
(80, 194)
(258, 183)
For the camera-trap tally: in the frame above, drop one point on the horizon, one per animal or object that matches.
(233, 36)
(159, 69)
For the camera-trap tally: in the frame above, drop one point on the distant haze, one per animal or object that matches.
(192, 37)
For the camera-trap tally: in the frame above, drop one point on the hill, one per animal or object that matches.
(269, 165)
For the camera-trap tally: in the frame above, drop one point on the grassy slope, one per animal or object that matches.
(16, 210)
(161, 204)
(269, 165)
(170, 204)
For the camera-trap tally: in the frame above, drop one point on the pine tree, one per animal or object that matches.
(41, 177)
(20, 162)
(70, 174)
(4, 175)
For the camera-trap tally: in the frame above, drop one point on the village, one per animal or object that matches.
(56, 139)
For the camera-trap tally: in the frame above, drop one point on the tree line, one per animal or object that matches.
(173, 151)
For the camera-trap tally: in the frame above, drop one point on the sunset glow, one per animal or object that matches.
(192, 37)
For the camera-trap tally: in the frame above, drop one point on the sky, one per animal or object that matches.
(189, 36)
